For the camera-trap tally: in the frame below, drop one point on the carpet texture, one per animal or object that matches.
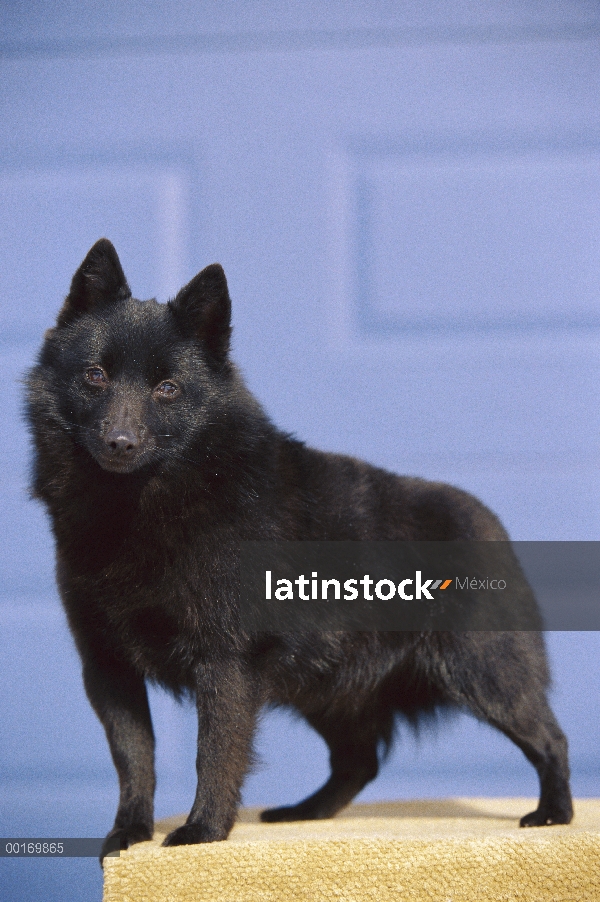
(454, 850)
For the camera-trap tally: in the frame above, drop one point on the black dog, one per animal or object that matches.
(155, 461)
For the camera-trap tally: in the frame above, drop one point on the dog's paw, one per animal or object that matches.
(275, 815)
(541, 818)
(189, 834)
(122, 837)
(301, 812)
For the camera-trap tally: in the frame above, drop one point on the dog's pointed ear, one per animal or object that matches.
(100, 280)
(203, 309)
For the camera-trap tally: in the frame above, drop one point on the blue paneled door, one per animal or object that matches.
(409, 218)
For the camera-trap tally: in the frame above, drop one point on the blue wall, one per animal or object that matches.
(406, 200)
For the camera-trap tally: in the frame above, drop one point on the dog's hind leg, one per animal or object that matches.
(353, 746)
(508, 693)
(545, 745)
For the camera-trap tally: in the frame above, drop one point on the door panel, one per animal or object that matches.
(53, 215)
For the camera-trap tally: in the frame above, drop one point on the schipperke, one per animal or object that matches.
(155, 462)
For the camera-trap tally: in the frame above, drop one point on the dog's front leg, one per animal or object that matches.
(118, 696)
(227, 702)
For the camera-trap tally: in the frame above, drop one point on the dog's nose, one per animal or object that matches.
(122, 441)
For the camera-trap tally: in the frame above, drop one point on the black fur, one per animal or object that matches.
(154, 461)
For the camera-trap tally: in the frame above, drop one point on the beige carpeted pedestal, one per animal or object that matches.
(456, 850)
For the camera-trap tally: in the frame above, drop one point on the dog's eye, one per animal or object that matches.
(167, 390)
(96, 376)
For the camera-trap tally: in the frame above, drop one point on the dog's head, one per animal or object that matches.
(135, 383)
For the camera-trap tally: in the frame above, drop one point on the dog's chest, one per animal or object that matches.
(153, 606)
